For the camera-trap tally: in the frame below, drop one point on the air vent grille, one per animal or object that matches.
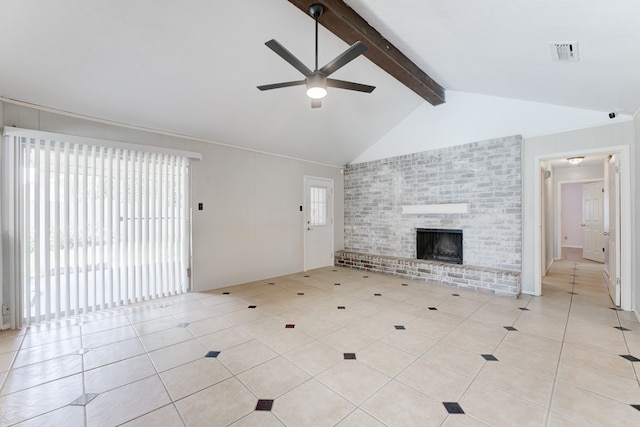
(565, 51)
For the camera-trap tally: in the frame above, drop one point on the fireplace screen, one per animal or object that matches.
(439, 245)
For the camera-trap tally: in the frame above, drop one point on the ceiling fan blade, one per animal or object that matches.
(279, 85)
(357, 49)
(288, 56)
(316, 103)
(350, 85)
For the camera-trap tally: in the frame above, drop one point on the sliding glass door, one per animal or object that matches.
(99, 226)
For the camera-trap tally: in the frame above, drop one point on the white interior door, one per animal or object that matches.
(614, 231)
(318, 242)
(593, 221)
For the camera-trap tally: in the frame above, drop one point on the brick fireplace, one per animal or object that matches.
(485, 176)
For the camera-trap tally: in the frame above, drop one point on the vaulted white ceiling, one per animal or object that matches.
(192, 67)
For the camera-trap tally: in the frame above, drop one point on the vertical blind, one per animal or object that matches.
(99, 226)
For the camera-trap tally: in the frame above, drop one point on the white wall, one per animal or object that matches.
(251, 227)
(582, 141)
(470, 117)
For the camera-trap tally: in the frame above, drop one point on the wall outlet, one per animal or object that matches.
(5, 309)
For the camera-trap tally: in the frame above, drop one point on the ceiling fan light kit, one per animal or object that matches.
(316, 86)
(317, 80)
(575, 160)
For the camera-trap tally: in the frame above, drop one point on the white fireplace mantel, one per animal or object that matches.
(449, 208)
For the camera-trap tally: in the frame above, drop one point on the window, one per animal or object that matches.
(318, 204)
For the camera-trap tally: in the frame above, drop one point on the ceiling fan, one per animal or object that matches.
(318, 79)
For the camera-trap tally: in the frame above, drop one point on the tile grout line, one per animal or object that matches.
(564, 336)
(155, 368)
(475, 378)
(13, 359)
(626, 343)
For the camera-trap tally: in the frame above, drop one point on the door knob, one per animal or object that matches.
(605, 233)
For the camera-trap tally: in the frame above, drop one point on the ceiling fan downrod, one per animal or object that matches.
(316, 10)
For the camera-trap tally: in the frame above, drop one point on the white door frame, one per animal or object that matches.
(329, 181)
(625, 217)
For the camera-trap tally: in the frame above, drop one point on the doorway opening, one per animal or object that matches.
(589, 227)
(582, 220)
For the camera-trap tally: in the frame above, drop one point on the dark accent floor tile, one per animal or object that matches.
(252, 306)
(630, 358)
(510, 328)
(334, 270)
(523, 308)
(341, 307)
(336, 284)
(349, 356)
(453, 407)
(405, 284)
(622, 328)
(212, 354)
(307, 276)
(84, 399)
(490, 357)
(456, 295)
(365, 277)
(572, 293)
(183, 325)
(377, 295)
(289, 326)
(400, 327)
(300, 293)
(636, 407)
(270, 283)
(432, 308)
(264, 405)
(226, 293)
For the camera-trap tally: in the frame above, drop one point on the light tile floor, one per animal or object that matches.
(393, 356)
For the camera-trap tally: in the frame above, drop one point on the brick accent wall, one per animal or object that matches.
(486, 174)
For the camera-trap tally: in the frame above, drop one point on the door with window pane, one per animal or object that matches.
(318, 223)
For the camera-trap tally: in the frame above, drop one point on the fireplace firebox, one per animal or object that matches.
(439, 245)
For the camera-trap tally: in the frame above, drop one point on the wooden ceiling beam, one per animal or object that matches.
(345, 23)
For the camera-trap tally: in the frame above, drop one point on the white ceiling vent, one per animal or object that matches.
(564, 51)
